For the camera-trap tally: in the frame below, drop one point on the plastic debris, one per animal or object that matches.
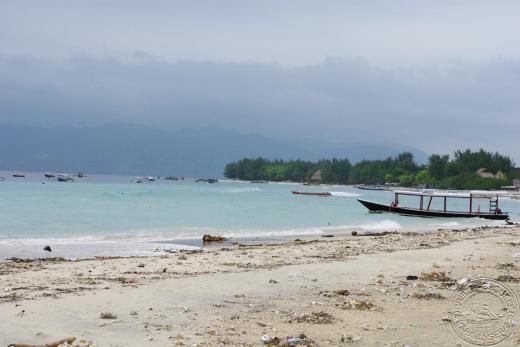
(463, 280)
(412, 278)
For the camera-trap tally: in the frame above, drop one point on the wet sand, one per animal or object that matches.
(334, 291)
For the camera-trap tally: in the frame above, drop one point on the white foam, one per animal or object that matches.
(244, 190)
(447, 224)
(345, 194)
(386, 224)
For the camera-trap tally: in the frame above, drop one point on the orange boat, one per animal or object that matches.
(312, 193)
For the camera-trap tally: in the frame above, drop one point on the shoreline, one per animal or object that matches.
(234, 294)
(85, 248)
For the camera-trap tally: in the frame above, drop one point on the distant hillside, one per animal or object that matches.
(136, 150)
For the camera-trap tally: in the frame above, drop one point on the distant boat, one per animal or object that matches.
(81, 175)
(371, 187)
(64, 178)
(312, 193)
(48, 175)
(18, 174)
(207, 180)
(258, 181)
(425, 201)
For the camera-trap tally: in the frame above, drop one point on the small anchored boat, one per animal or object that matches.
(312, 193)
(18, 174)
(425, 205)
(64, 178)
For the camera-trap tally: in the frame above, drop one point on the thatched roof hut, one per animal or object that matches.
(316, 177)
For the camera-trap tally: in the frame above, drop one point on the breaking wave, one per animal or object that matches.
(386, 224)
(244, 190)
(345, 194)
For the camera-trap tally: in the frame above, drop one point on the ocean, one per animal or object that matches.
(114, 215)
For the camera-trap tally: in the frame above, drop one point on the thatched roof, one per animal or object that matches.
(316, 176)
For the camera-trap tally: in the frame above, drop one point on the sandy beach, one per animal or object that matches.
(317, 291)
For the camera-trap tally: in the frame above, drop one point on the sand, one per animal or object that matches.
(334, 291)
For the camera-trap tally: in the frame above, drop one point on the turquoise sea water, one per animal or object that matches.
(113, 214)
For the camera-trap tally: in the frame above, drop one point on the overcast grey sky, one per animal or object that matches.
(437, 75)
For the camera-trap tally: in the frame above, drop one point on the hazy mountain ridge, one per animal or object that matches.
(141, 150)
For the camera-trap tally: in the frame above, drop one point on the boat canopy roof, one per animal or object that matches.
(476, 194)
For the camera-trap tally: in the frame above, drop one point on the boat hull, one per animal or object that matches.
(376, 207)
(312, 193)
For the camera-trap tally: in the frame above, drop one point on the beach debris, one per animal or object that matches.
(133, 313)
(314, 318)
(211, 238)
(357, 305)
(516, 255)
(354, 233)
(273, 281)
(107, 315)
(329, 294)
(431, 294)
(506, 266)
(384, 233)
(47, 248)
(327, 235)
(67, 340)
(463, 280)
(140, 265)
(436, 276)
(296, 340)
(412, 278)
(508, 278)
(413, 325)
(268, 340)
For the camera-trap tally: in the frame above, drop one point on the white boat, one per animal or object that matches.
(64, 178)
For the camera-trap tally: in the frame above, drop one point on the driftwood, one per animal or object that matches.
(210, 238)
(67, 340)
(378, 233)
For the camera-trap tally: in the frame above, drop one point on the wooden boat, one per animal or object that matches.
(312, 193)
(18, 174)
(425, 203)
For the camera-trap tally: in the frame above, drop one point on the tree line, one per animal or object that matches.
(458, 171)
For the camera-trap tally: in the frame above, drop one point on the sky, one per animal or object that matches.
(436, 75)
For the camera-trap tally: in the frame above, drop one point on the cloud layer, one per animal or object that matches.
(342, 100)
